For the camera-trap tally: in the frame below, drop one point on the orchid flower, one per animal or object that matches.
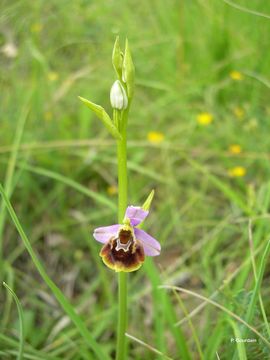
(125, 246)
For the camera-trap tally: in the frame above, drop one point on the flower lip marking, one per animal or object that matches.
(125, 246)
(124, 239)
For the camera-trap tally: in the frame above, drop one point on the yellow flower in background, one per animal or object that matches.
(237, 171)
(204, 118)
(236, 75)
(239, 112)
(155, 137)
(235, 149)
(53, 76)
(36, 28)
(112, 190)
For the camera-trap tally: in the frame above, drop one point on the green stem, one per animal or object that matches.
(122, 170)
(122, 315)
(122, 205)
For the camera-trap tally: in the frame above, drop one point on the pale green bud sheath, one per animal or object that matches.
(128, 71)
(117, 58)
(118, 96)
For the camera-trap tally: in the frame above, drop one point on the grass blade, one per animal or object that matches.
(240, 345)
(223, 187)
(66, 306)
(256, 291)
(192, 328)
(214, 303)
(166, 306)
(251, 245)
(20, 312)
(149, 347)
(72, 183)
(11, 168)
(246, 10)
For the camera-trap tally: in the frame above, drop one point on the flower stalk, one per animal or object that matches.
(122, 205)
(124, 244)
(120, 119)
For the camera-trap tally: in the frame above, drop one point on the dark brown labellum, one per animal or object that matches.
(123, 253)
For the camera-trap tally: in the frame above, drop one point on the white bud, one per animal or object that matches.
(118, 96)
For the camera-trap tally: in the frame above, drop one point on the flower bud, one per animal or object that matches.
(118, 96)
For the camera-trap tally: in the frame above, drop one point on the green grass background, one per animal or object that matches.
(57, 162)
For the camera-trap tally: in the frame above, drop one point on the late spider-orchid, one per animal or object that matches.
(125, 246)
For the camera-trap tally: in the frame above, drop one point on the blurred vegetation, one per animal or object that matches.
(198, 134)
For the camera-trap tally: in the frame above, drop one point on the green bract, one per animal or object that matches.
(103, 116)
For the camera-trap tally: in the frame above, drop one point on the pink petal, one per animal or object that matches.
(105, 233)
(136, 214)
(151, 246)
